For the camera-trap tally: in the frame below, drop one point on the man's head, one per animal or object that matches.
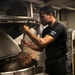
(46, 14)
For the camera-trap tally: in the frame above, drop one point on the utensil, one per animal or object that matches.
(23, 57)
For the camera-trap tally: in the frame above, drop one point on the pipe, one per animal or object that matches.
(31, 9)
(70, 8)
(65, 7)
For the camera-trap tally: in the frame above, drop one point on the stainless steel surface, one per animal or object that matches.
(7, 73)
(14, 68)
(27, 71)
(8, 47)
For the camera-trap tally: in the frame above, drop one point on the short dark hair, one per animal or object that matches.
(47, 10)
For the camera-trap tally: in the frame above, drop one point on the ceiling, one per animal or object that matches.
(69, 5)
(58, 4)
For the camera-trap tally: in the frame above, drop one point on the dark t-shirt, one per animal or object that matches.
(58, 46)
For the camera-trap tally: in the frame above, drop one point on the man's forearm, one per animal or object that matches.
(35, 47)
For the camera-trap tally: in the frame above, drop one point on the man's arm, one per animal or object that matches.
(41, 42)
(36, 47)
(32, 45)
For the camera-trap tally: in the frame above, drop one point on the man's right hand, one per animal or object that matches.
(25, 29)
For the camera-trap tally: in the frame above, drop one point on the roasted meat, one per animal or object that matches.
(24, 59)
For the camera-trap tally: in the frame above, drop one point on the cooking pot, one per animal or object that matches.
(14, 67)
(27, 71)
(9, 64)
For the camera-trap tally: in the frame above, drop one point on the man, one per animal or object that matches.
(53, 40)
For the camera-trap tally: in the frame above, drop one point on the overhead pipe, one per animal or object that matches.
(70, 8)
(57, 8)
(65, 7)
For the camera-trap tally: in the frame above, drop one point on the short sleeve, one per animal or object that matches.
(56, 31)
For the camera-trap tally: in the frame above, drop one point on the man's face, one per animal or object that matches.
(45, 19)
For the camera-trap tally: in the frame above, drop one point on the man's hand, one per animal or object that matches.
(25, 29)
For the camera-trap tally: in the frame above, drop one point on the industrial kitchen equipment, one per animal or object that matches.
(9, 64)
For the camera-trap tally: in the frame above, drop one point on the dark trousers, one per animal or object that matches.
(56, 67)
